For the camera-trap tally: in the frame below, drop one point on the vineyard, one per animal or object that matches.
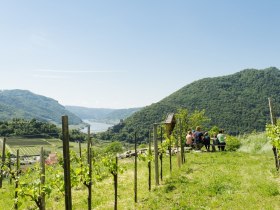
(100, 180)
(26, 147)
(215, 180)
(199, 177)
(32, 146)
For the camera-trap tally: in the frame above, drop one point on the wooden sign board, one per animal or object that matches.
(170, 123)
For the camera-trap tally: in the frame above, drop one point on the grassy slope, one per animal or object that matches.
(230, 180)
(220, 181)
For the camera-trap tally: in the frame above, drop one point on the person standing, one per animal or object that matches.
(222, 139)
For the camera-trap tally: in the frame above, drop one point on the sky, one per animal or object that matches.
(131, 53)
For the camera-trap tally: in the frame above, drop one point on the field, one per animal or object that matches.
(32, 146)
(208, 180)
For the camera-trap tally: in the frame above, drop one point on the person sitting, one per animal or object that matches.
(198, 138)
(206, 141)
(215, 143)
(189, 139)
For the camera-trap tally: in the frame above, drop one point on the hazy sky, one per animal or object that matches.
(131, 53)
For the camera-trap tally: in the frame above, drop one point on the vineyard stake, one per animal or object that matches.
(66, 163)
(16, 186)
(161, 155)
(80, 154)
(116, 185)
(80, 149)
(273, 122)
(156, 154)
(177, 148)
(3, 161)
(135, 169)
(88, 141)
(170, 156)
(149, 160)
(182, 143)
(10, 167)
(42, 158)
(90, 169)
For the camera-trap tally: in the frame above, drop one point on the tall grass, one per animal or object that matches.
(255, 143)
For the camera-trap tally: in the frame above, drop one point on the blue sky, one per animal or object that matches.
(129, 53)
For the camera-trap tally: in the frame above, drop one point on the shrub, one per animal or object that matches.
(114, 147)
(233, 143)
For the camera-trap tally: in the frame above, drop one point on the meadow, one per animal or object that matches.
(245, 179)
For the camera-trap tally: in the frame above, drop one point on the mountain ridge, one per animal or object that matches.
(24, 104)
(237, 102)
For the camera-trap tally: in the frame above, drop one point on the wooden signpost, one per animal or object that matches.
(170, 124)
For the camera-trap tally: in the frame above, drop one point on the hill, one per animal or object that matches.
(238, 103)
(27, 105)
(111, 116)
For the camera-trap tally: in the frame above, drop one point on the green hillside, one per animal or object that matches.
(27, 105)
(238, 103)
(112, 116)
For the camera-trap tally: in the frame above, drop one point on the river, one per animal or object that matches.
(96, 127)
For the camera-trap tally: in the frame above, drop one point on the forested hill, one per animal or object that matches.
(27, 105)
(111, 116)
(238, 103)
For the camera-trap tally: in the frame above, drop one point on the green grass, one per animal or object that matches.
(220, 181)
(206, 181)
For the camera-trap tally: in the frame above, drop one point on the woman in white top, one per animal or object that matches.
(189, 139)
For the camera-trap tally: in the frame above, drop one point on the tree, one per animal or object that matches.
(114, 147)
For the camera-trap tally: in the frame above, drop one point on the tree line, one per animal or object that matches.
(34, 128)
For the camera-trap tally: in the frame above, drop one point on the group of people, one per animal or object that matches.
(197, 139)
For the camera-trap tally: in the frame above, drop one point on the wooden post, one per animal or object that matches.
(272, 117)
(156, 154)
(135, 169)
(16, 186)
(116, 185)
(88, 141)
(149, 161)
(66, 163)
(181, 143)
(170, 156)
(161, 153)
(80, 155)
(10, 167)
(273, 122)
(80, 149)
(177, 148)
(3, 161)
(89, 161)
(42, 163)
